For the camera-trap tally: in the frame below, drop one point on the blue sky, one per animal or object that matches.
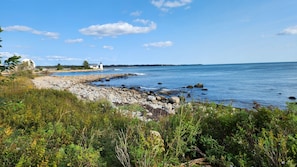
(149, 31)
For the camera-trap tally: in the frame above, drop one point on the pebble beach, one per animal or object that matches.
(81, 87)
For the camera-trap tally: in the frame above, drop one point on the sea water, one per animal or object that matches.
(239, 85)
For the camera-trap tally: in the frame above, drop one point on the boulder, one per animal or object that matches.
(166, 92)
(174, 99)
(189, 87)
(199, 85)
(188, 95)
(151, 98)
(159, 98)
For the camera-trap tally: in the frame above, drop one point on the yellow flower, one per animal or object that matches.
(8, 131)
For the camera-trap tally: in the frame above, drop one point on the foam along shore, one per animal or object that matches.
(79, 85)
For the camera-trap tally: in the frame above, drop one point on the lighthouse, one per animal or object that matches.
(101, 66)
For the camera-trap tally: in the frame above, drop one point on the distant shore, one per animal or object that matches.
(73, 68)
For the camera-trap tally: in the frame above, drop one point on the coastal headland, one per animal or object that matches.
(81, 87)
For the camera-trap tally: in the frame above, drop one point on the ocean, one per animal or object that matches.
(239, 85)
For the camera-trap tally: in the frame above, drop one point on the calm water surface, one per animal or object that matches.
(236, 84)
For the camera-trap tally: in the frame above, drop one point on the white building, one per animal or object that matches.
(101, 66)
(94, 66)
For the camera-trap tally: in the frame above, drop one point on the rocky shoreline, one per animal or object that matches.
(79, 85)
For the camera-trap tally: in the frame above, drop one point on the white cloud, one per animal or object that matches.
(10, 54)
(62, 58)
(119, 28)
(136, 13)
(52, 35)
(143, 21)
(289, 31)
(7, 54)
(78, 40)
(158, 44)
(108, 47)
(165, 5)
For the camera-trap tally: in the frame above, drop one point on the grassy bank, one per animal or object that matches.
(43, 127)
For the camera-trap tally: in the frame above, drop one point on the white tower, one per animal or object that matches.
(101, 66)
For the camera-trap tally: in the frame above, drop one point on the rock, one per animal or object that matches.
(159, 98)
(151, 98)
(188, 95)
(150, 93)
(292, 98)
(189, 87)
(149, 114)
(174, 99)
(165, 92)
(107, 79)
(171, 111)
(79, 85)
(199, 85)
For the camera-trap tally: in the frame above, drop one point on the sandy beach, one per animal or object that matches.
(81, 87)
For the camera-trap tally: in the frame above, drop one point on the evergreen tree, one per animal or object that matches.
(86, 64)
(59, 67)
(12, 62)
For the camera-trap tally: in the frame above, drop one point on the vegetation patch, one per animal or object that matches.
(45, 127)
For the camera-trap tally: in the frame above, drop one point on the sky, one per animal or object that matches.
(114, 32)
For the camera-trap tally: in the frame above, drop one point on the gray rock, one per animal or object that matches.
(159, 98)
(174, 99)
(151, 98)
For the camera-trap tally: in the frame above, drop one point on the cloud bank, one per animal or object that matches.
(52, 35)
(158, 44)
(289, 31)
(119, 28)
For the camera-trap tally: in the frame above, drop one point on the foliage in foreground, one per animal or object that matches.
(54, 128)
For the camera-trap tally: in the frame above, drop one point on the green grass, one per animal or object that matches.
(44, 127)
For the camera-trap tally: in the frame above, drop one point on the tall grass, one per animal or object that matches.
(45, 127)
